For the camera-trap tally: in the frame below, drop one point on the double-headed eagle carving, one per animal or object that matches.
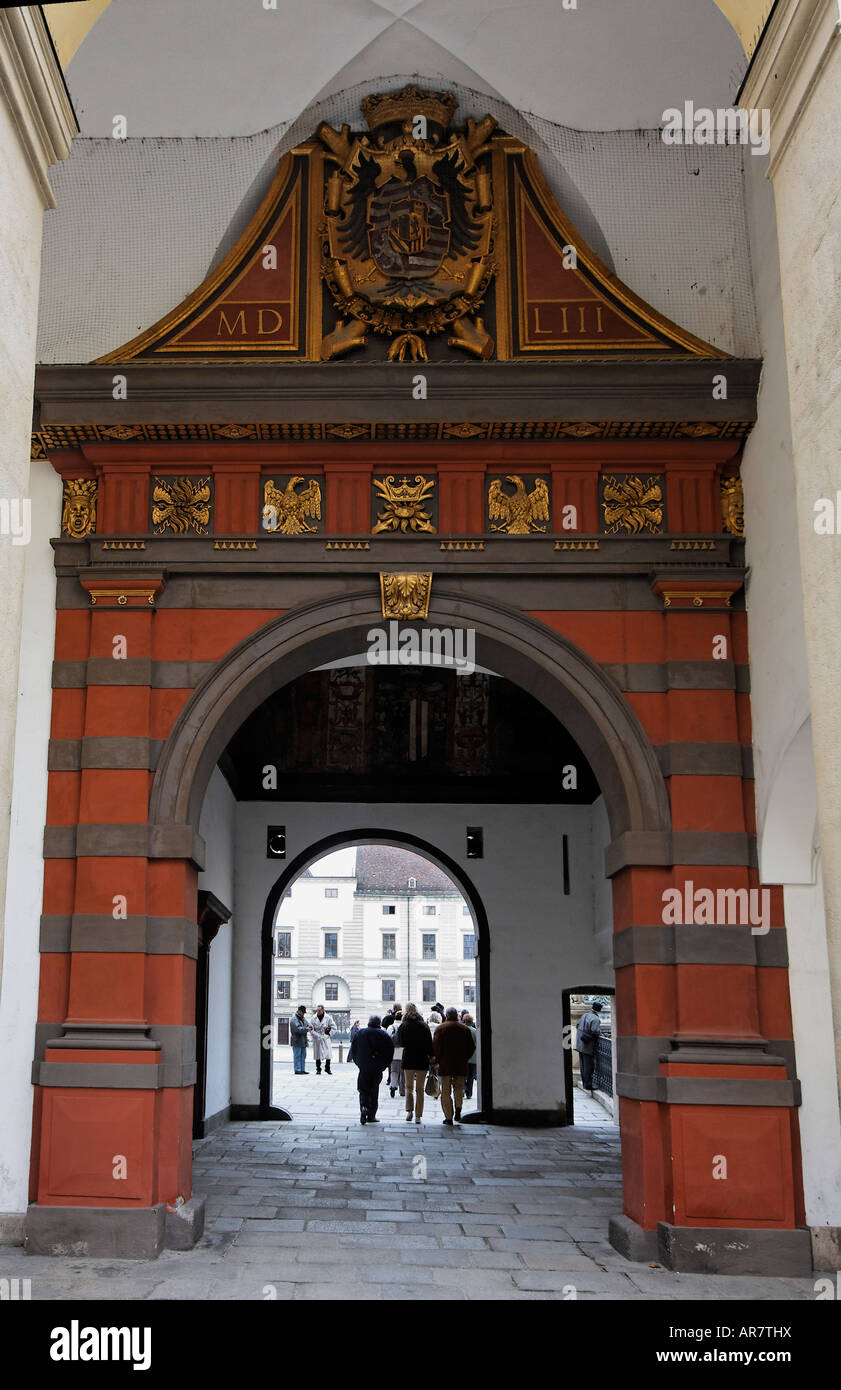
(520, 513)
(287, 511)
(408, 229)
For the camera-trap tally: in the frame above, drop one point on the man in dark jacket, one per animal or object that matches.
(372, 1051)
(453, 1047)
(586, 1042)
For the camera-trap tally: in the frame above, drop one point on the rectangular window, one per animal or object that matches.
(429, 910)
(331, 945)
(429, 945)
(284, 944)
(331, 991)
(389, 945)
(465, 911)
(389, 995)
(284, 989)
(469, 947)
(428, 988)
(469, 993)
(389, 909)
(331, 892)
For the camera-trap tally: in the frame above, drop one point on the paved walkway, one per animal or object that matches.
(322, 1208)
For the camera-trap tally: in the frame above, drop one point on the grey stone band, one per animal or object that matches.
(139, 670)
(89, 931)
(691, 945)
(120, 1076)
(132, 841)
(121, 753)
(175, 1045)
(641, 1057)
(705, 759)
(704, 1090)
(576, 390)
(679, 675)
(660, 847)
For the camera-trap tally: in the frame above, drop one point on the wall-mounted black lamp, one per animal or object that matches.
(475, 842)
(276, 842)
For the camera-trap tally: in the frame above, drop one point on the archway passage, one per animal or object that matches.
(470, 772)
(695, 1004)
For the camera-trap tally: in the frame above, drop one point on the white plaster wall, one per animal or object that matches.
(779, 677)
(217, 827)
(21, 211)
(540, 941)
(786, 795)
(820, 1122)
(19, 998)
(807, 185)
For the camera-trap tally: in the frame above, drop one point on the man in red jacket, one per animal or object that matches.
(453, 1046)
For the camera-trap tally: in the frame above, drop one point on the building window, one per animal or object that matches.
(331, 892)
(469, 946)
(465, 911)
(429, 910)
(283, 989)
(331, 945)
(469, 993)
(428, 988)
(389, 945)
(288, 893)
(428, 945)
(389, 994)
(389, 909)
(284, 944)
(412, 883)
(331, 992)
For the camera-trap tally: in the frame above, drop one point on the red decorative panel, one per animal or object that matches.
(755, 1145)
(84, 1136)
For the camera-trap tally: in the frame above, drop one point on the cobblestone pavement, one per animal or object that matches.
(322, 1208)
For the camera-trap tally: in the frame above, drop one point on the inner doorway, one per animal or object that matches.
(363, 931)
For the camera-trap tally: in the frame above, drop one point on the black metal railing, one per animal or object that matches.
(603, 1072)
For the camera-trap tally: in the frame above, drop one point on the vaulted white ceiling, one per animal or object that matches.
(234, 67)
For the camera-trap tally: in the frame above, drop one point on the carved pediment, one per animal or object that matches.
(412, 241)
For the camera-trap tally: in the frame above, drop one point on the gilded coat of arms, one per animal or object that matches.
(408, 226)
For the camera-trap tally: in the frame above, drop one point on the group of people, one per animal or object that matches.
(419, 1061)
(404, 1045)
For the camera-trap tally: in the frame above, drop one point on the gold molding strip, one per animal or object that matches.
(122, 595)
(348, 545)
(462, 545)
(52, 438)
(699, 597)
(577, 545)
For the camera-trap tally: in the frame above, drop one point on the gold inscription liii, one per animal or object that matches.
(552, 320)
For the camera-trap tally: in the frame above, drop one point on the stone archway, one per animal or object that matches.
(552, 669)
